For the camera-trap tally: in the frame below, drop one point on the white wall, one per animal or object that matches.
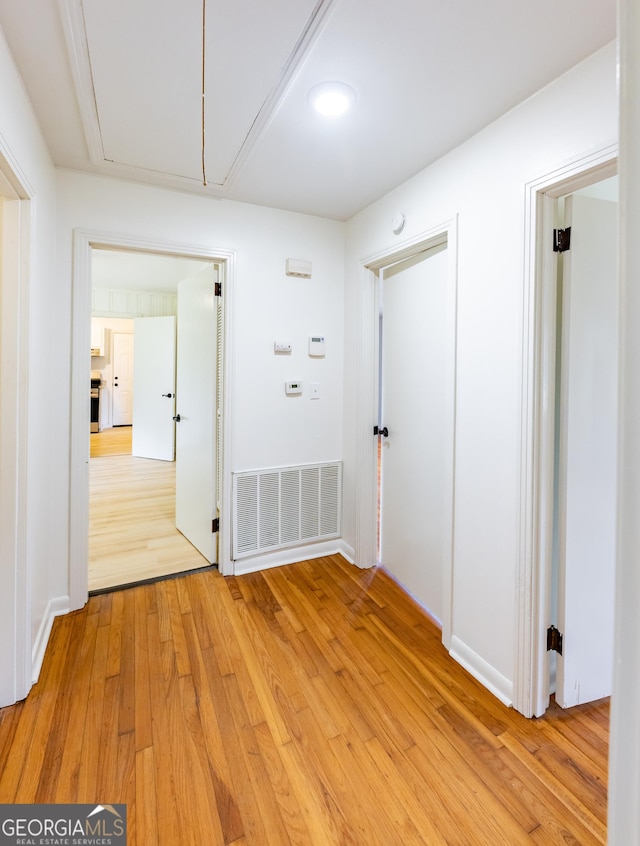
(47, 436)
(483, 182)
(268, 428)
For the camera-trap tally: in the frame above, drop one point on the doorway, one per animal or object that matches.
(545, 431)
(137, 528)
(15, 612)
(378, 271)
(84, 243)
(585, 445)
(414, 424)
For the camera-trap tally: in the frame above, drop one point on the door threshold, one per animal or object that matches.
(152, 580)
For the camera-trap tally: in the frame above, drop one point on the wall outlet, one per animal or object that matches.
(315, 390)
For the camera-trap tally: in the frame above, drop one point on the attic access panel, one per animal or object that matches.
(146, 67)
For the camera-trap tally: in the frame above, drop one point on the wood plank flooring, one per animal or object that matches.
(115, 441)
(132, 533)
(310, 705)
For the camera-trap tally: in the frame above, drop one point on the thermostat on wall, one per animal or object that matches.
(316, 345)
(292, 388)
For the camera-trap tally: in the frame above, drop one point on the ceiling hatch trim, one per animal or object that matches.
(75, 37)
(75, 30)
(301, 50)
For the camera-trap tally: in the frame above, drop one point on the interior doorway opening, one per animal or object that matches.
(414, 425)
(16, 660)
(585, 444)
(132, 493)
(84, 243)
(537, 587)
(426, 269)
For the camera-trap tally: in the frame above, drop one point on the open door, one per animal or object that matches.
(154, 379)
(587, 452)
(196, 412)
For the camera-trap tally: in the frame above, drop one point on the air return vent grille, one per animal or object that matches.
(285, 506)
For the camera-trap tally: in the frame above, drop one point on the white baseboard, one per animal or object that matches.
(57, 606)
(347, 551)
(289, 556)
(481, 670)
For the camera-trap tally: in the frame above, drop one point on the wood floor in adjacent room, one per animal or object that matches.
(132, 531)
(311, 704)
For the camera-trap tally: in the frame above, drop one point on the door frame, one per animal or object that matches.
(534, 565)
(83, 242)
(368, 366)
(20, 655)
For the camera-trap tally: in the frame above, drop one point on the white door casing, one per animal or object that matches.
(154, 379)
(83, 242)
(534, 576)
(196, 430)
(17, 657)
(122, 379)
(588, 451)
(415, 370)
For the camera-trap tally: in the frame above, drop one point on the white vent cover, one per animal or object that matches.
(299, 267)
(285, 506)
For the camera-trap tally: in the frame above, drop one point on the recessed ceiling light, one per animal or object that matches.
(332, 98)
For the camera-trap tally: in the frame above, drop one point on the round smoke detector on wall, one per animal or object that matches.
(397, 223)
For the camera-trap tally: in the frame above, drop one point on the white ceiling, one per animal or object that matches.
(117, 86)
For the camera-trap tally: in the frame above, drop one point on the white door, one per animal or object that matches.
(196, 430)
(416, 392)
(154, 379)
(122, 379)
(588, 444)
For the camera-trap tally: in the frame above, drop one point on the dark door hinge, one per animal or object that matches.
(561, 240)
(215, 525)
(218, 289)
(554, 640)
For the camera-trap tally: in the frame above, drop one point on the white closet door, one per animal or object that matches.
(417, 371)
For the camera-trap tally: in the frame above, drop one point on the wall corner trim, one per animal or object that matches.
(347, 551)
(55, 608)
(485, 673)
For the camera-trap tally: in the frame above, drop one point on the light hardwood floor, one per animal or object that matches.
(132, 533)
(311, 705)
(115, 441)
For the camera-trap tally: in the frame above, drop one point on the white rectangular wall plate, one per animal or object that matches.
(279, 347)
(298, 267)
(292, 388)
(316, 345)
